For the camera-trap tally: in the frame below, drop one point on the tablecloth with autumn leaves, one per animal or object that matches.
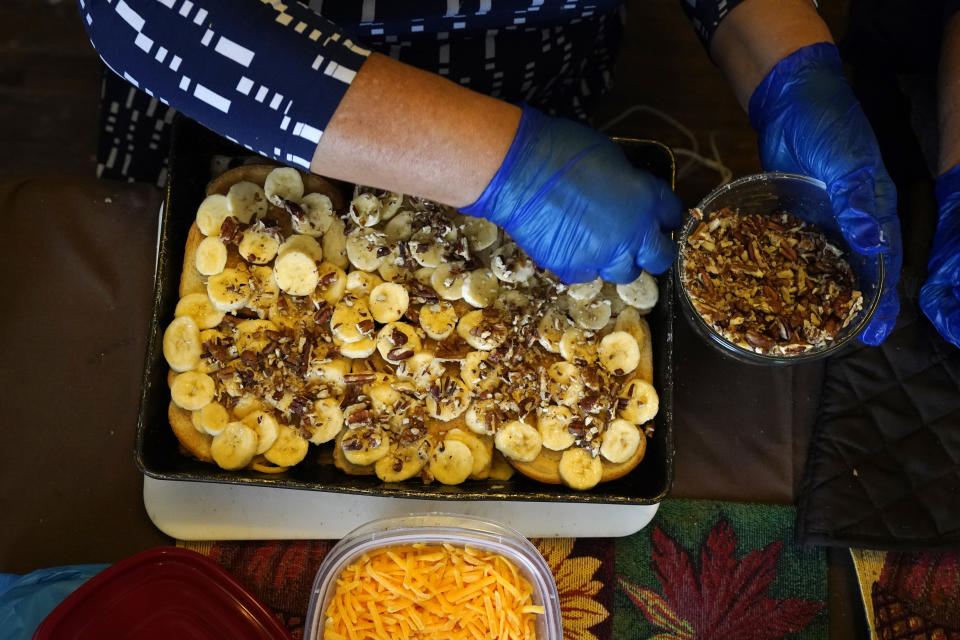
(701, 570)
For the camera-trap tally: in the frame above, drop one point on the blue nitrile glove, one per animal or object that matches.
(26, 600)
(809, 122)
(572, 200)
(940, 294)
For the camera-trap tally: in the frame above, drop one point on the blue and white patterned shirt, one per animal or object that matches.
(270, 73)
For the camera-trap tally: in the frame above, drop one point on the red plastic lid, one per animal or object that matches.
(160, 594)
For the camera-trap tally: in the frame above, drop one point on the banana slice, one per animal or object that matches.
(481, 332)
(393, 268)
(478, 374)
(480, 233)
(552, 423)
(363, 348)
(513, 302)
(303, 244)
(181, 344)
(314, 215)
(329, 372)
(592, 316)
(211, 418)
(398, 341)
(388, 302)
(211, 256)
(283, 183)
(451, 462)
(266, 428)
(229, 290)
(551, 328)
(211, 213)
(483, 416)
(642, 402)
(361, 283)
(199, 307)
(251, 335)
(421, 369)
(609, 292)
(564, 383)
(427, 249)
(258, 245)
(619, 353)
(480, 288)
(192, 390)
(351, 320)
(424, 275)
(383, 396)
(365, 209)
(620, 441)
(576, 346)
(296, 273)
(365, 445)
(234, 447)
(264, 290)
(580, 470)
(403, 463)
(334, 244)
(246, 405)
(288, 449)
(518, 441)
(510, 264)
(331, 283)
(324, 422)
(400, 227)
(447, 280)
(481, 448)
(366, 248)
(586, 291)
(641, 294)
(447, 398)
(246, 200)
(438, 320)
(390, 204)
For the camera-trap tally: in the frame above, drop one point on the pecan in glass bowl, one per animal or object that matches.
(765, 275)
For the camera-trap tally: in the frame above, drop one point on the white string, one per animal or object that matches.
(692, 154)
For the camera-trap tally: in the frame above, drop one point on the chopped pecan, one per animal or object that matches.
(359, 378)
(758, 280)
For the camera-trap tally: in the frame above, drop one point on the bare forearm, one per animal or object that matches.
(759, 33)
(407, 130)
(949, 94)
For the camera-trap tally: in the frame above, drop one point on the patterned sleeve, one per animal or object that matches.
(265, 73)
(706, 15)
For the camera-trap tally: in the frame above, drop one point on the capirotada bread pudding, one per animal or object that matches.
(418, 342)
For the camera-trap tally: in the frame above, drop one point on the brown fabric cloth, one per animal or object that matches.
(740, 431)
(77, 268)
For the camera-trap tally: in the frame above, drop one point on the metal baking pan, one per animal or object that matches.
(196, 154)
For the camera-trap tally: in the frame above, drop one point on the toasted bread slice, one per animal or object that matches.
(545, 467)
(192, 441)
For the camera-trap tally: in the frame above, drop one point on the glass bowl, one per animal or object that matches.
(806, 198)
(438, 528)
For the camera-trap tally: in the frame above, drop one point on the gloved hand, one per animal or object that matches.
(809, 122)
(26, 600)
(571, 199)
(940, 294)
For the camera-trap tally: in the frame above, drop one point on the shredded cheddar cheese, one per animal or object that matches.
(421, 592)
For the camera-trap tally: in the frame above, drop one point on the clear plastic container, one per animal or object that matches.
(805, 198)
(437, 528)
